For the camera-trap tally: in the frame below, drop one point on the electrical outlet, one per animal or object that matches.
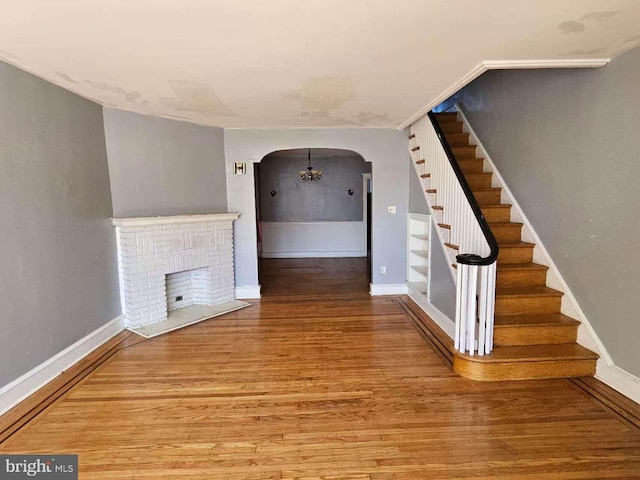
(383, 269)
(392, 209)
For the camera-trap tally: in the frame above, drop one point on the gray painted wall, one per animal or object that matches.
(442, 289)
(59, 279)
(385, 148)
(567, 143)
(442, 292)
(325, 200)
(164, 167)
(417, 202)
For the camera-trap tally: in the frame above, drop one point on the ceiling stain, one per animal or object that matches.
(105, 87)
(324, 118)
(369, 118)
(323, 93)
(578, 26)
(173, 117)
(8, 56)
(578, 52)
(291, 95)
(600, 16)
(131, 97)
(315, 113)
(196, 98)
(67, 78)
(634, 39)
(572, 26)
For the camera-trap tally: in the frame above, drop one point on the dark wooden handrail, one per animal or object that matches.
(468, 258)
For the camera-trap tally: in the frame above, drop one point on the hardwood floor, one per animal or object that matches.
(312, 278)
(343, 389)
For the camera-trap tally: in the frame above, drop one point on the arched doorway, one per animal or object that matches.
(313, 234)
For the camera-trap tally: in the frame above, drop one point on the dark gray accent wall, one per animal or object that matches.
(164, 167)
(325, 200)
(567, 143)
(59, 279)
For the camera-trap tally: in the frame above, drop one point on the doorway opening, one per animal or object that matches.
(314, 235)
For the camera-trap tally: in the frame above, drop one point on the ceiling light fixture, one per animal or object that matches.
(310, 174)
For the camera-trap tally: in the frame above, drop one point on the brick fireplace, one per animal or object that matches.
(170, 263)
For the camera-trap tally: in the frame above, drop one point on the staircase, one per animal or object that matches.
(533, 340)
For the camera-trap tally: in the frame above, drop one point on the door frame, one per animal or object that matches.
(366, 182)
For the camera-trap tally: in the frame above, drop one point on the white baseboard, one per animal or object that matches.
(444, 322)
(19, 389)
(619, 379)
(376, 289)
(311, 254)
(248, 292)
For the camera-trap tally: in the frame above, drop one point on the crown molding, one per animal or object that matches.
(487, 65)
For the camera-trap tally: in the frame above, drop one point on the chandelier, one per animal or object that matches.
(310, 174)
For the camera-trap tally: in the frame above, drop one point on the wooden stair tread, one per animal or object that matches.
(521, 266)
(487, 195)
(527, 292)
(536, 320)
(516, 245)
(478, 174)
(464, 148)
(464, 151)
(451, 126)
(497, 205)
(504, 224)
(457, 138)
(534, 353)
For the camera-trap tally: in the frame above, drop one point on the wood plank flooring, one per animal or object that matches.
(343, 389)
(307, 279)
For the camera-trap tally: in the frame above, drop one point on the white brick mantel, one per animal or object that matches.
(150, 248)
(150, 221)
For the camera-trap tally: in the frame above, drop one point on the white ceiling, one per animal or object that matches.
(296, 63)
